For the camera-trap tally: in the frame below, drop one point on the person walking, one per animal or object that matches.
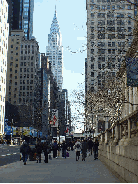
(95, 148)
(59, 150)
(25, 150)
(39, 149)
(55, 148)
(84, 150)
(46, 150)
(90, 145)
(77, 149)
(64, 148)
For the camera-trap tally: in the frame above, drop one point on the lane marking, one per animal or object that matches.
(3, 155)
(14, 153)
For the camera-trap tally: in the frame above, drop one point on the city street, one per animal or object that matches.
(59, 170)
(9, 154)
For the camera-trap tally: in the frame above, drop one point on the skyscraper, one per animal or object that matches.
(54, 51)
(21, 16)
(109, 34)
(4, 33)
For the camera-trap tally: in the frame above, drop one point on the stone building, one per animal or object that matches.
(109, 35)
(23, 64)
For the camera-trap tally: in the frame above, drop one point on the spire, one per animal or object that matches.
(55, 8)
(54, 26)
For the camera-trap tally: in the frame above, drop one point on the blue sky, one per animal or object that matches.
(72, 19)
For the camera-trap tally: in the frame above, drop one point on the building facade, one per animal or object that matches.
(109, 34)
(54, 51)
(4, 33)
(21, 16)
(22, 67)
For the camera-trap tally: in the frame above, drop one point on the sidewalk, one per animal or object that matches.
(59, 170)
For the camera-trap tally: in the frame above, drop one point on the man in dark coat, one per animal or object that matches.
(39, 148)
(90, 144)
(25, 150)
(64, 148)
(84, 149)
(55, 148)
(46, 150)
(95, 148)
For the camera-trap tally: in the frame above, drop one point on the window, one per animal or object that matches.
(111, 36)
(92, 59)
(24, 63)
(15, 71)
(99, 66)
(16, 54)
(16, 48)
(23, 87)
(11, 46)
(101, 36)
(92, 51)
(110, 22)
(10, 69)
(101, 51)
(92, 74)
(16, 65)
(24, 69)
(101, 15)
(15, 83)
(31, 69)
(20, 87)
(92, 15)
(121, 36)
(92, 66)
(20, 69)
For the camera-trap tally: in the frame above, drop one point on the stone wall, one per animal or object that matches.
(122, 159)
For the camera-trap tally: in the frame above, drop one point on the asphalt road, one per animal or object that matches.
(9, 154)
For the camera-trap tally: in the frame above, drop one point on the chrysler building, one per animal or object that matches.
(54, 51)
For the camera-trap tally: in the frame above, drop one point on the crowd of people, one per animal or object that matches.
(83, 147)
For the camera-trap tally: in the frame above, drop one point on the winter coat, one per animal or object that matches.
(90, 144)
(76, 147)
(64, 146)
(95, 146)
(55, 146)
(25, 148)
(39, 148)
(46, 148)
(84, 147)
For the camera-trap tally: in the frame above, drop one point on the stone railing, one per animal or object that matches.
(118, 148)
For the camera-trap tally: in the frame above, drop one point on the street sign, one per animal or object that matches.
(54, 118)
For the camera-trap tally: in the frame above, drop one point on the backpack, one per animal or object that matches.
(78, 145)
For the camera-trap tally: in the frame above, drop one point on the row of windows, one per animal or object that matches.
(111, 44)
(110, 51)
(102, 59)
(111, 29)
(111, 7)
(119, 22)
(20, 100)
(111, 36)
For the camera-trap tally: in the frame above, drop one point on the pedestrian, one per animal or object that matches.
(46, 149)
(59, 150)
(77, 149)
(64, 148)
(71, 145)
(84, 150)
(90, 145)
(95, 148)
(25, 150)
(39, 148)
(55, 148)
